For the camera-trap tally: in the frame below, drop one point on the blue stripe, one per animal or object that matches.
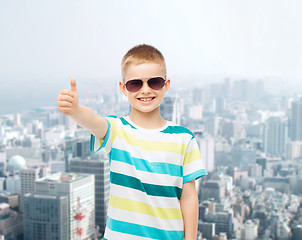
(177, 130)
(149, 189)
(144, 165)
(112, 116)
(143, 231)
(92, 139)
(124, 122)
(195, 175)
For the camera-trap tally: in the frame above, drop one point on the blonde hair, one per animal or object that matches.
(143, 54)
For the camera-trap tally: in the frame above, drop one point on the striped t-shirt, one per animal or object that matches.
(148, 168)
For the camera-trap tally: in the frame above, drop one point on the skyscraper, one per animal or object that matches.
(100, 169)
(275, 137)
(296, 121)
(207, 149)
(46, 217)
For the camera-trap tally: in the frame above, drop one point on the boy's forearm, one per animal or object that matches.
(189, 209)
(87, 119)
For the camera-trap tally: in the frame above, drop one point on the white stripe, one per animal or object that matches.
(155, 135)
(192, 146)
(151, 156)
(113, 235)
(136, 195)
(146, 220)
(146, 177)
(192, 167)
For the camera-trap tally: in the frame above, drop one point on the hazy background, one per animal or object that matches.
(44, 43)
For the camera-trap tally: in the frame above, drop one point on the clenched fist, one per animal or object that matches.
(68, 100)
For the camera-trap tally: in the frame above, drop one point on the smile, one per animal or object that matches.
(146, 99)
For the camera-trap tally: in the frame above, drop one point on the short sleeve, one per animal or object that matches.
(193, 167)
(97, 144)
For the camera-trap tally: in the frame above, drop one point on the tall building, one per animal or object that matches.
(219, 106)
(275, 137)
(28, 176)
(213, 189)
(76, 148)
(2, 160)
(212, 125)
(100, 169)
(51, 193)
(296, 121)
(207, 150)
(13, 183)
(46, 217)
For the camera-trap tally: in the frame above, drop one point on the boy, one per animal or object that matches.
(153, 162)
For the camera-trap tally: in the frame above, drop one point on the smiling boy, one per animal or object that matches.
(153, 162)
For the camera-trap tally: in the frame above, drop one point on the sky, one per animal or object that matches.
(45, 43)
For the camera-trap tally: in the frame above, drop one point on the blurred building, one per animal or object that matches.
(243, 155)
(219, 106)
(207, 151)
(275, 137)
(294, 150)
(53, 191)
(249, 231)
(10, 222)
(167, 108)
(28, 176)
(78, 147)
(207, 229)
(13, 183)
(214, 188)
(2, 160)
(100, 169)
(16, 163)
(223, 222)
(46, 217)
(212, 125)
(11, 199)
(296, 121)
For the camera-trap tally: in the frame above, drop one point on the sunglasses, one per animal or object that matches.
(155, 83)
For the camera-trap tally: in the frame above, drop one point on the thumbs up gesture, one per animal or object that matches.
(68, 100)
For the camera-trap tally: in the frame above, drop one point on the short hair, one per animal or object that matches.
(143, 53)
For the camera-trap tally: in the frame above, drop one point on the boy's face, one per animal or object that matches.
(145, 99)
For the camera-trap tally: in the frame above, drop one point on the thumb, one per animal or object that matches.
(73, 85)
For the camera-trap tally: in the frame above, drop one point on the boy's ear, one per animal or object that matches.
(167, 85)
(123, 88)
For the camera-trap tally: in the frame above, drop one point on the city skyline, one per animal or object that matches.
(247, 139)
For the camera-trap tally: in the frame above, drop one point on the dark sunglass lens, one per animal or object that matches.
(134, 85)
(156, 83)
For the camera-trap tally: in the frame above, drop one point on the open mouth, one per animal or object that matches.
(146, 99)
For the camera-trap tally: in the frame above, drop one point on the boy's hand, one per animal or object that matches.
(67, 100)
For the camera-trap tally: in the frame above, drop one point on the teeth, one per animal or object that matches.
(146, 99)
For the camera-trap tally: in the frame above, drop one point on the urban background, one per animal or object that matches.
(53, 187)
(236, 82)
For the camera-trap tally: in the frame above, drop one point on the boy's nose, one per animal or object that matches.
(145, 87)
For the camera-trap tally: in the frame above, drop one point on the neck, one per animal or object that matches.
(149, 120)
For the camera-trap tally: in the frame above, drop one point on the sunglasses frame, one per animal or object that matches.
(142, 83)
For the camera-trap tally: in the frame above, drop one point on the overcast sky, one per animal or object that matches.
(44, 43)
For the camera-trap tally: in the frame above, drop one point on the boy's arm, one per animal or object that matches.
(68, 104)
(189, 209)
